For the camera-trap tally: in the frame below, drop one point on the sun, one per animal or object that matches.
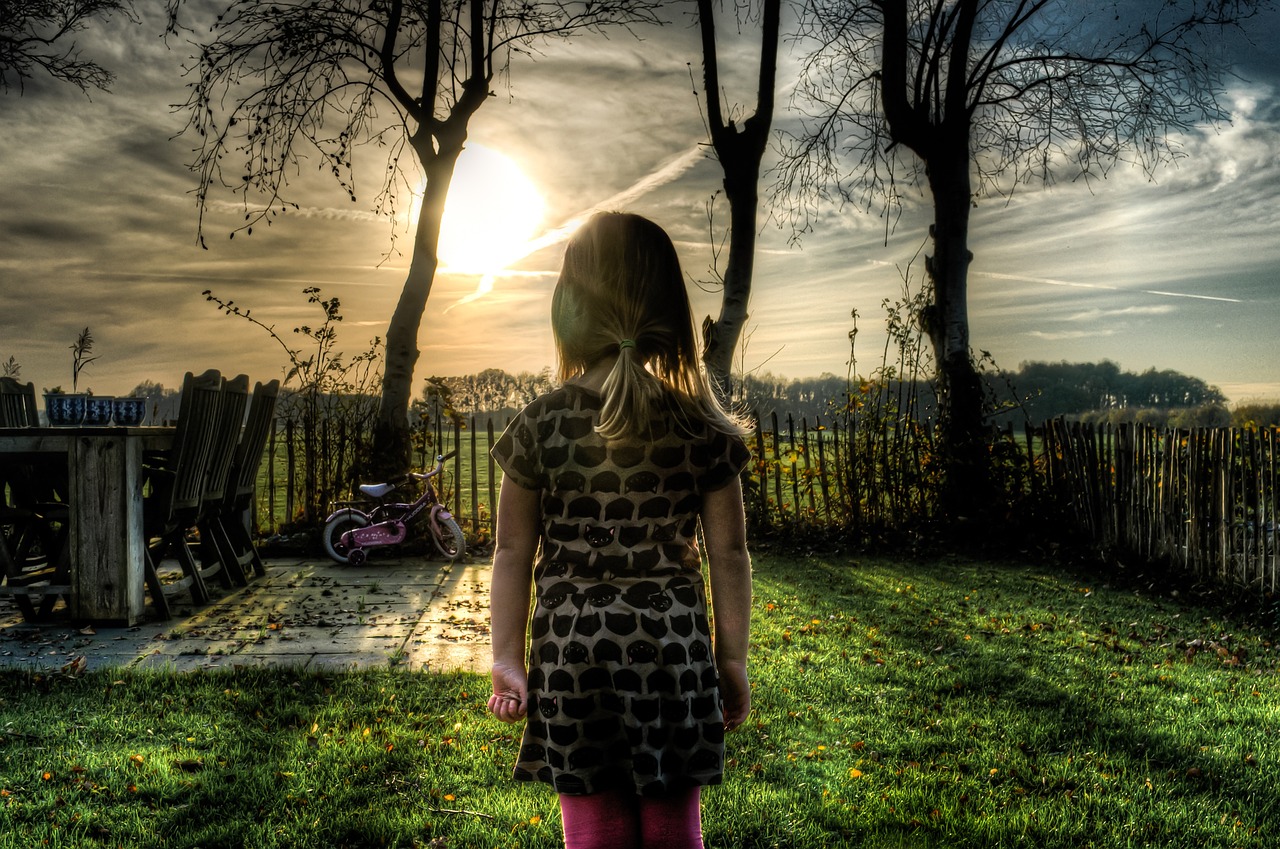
(491, 213)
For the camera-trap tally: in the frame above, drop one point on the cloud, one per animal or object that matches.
(1098, 314)
(1060, 335)
(315, 213)
(1177, 271)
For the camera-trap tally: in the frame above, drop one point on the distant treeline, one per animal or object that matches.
(1036, 392)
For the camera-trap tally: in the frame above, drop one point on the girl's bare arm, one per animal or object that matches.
(515, 545)
(724, 529)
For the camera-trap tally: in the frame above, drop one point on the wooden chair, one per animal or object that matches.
(215, 557)
(176, 480)
(34, 561)
(18, 404)
(34, 557)
(230, 523)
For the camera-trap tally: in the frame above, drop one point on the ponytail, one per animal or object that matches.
(629, 395)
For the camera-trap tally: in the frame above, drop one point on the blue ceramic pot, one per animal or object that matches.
(128, 412)
(64, 410)
(97, 410)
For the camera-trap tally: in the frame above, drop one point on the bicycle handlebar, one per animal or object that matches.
(440, 458)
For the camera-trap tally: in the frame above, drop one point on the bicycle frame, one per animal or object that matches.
(394, 530)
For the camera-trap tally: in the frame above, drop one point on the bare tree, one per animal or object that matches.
(739, 150)
(977, 96)
(38, 36)
(277, 81)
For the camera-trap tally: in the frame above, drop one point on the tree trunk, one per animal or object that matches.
(720, 337)
(740, 153)
(965, 492)
(392, 443)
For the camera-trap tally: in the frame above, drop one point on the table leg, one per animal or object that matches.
(107, 543)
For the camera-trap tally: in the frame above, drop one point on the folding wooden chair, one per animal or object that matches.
(230, 523)
(215, 557)
(176, 479)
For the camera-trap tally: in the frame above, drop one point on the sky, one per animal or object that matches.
(98, 228)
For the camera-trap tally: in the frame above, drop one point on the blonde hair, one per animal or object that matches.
(621, 293)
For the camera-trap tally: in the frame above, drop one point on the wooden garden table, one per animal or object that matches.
(108, 544)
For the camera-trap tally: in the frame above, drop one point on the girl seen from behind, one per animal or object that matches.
(625, 689)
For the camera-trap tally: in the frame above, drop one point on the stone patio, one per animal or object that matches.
(411, 614)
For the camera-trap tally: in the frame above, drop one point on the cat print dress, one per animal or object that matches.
(623, 690)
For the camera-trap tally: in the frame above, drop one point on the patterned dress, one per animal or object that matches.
(623, 691)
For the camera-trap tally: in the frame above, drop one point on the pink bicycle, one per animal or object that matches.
(350, 532)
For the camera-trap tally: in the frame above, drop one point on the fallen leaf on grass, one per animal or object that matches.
(76, 666)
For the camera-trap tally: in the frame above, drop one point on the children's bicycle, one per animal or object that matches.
(350, 532)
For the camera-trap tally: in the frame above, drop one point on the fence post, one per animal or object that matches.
(475, 483)
(457, 467)
(493, 497)
(822, 470)
(290, 471)
(795, 476)
(763, 464)
(777, 458)
(271, 476)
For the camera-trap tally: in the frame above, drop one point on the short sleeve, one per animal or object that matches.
(516, 450)
(726, 457)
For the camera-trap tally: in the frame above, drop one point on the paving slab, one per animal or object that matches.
(305, 612)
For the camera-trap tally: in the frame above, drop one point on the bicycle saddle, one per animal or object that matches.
(376, 490)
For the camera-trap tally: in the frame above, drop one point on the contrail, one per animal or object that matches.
(667, 173)
(1048, 281)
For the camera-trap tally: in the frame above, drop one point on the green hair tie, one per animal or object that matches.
(626, 343)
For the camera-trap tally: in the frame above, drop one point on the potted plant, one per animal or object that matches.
(86, 408)
(65, 408)
(62, 408)
(128, 412)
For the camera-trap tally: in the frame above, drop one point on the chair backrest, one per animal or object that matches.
(197, 420)
(226, 436)
(18, 404)
(253, 442)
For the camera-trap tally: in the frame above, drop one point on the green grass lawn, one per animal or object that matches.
(896, 704)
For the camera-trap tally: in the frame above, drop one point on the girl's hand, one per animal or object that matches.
(510, 698)
(735, 694)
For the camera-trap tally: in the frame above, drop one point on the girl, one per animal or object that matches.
(606, 480)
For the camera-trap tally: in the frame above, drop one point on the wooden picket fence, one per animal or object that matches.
(468, 485)
(1199, 501)
(795, 478)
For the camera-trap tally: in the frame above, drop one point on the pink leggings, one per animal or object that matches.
(615, 819)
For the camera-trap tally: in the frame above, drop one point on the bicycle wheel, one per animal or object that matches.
(447, 537)
(339, 524)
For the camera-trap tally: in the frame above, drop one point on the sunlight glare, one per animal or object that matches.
(492, 212)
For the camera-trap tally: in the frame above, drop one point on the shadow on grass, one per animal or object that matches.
(968, 704)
